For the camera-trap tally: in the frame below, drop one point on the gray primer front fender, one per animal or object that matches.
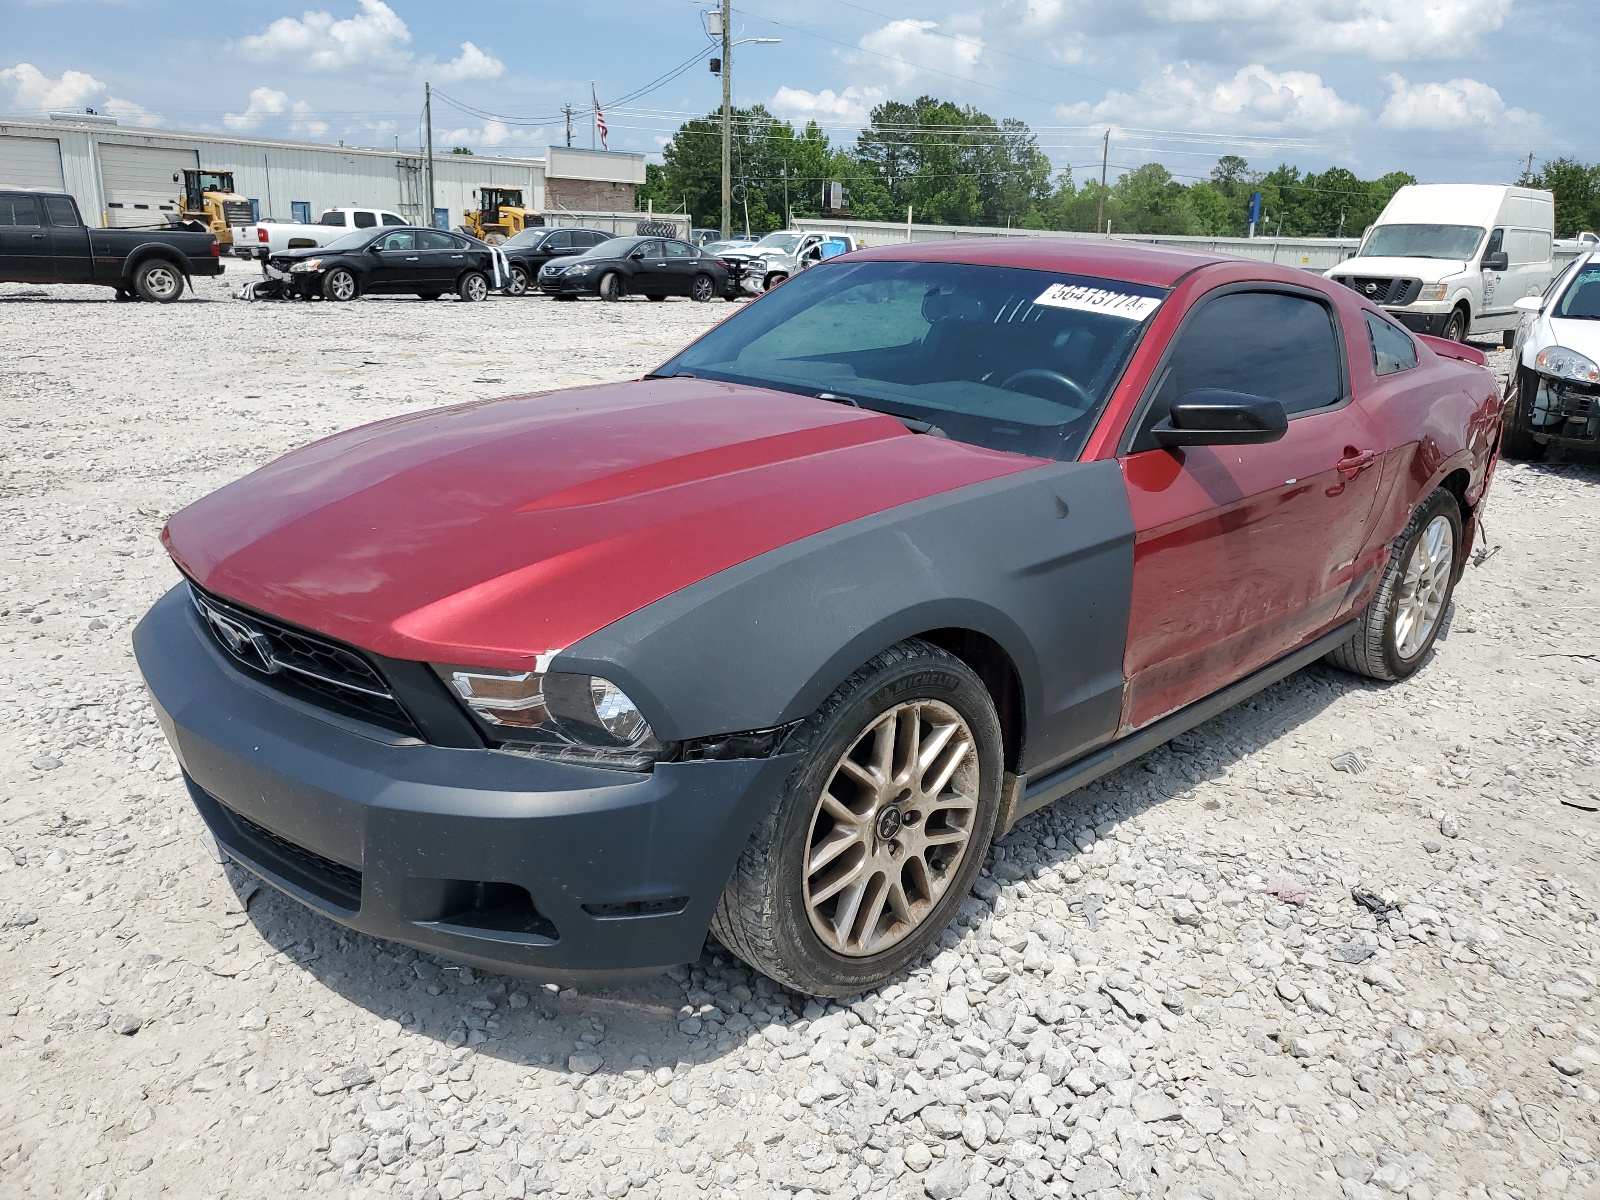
(1040, 561)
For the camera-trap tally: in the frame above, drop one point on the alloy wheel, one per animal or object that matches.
(161, 282)
(1420, 599)
(342, 286)
(890, 828)
(519, 282)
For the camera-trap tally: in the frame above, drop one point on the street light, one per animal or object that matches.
(726, 23)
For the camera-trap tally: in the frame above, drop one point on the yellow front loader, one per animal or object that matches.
(209, 198)
(499, 215)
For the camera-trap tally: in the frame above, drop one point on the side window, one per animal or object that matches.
(434, 239)
(1497, 242)
(398, 241)
(1270, 344)
(560, 241)
(63, 213)
(648, 249)
(1392, 348)
(366, 220)
(681, 250)
(391, 219)
(583, 240)
(18, 210)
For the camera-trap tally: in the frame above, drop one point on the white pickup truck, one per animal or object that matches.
(274, 237)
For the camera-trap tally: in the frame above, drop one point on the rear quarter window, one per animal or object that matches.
(1392, 347)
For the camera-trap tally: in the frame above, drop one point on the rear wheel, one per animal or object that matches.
(158, 280)
(702, 289)
(1455, 329)
(866, 852)
(339, 284)
(516, 281)
(1516, 437)
(473, 287)
(610, 286)
(1402, 621)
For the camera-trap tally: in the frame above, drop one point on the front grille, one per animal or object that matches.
(333, 881)
(1381, 290)
(236, 212)
(302, 664)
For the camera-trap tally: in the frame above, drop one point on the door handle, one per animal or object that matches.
(412, 258)
(37, 235)
(1355, 461)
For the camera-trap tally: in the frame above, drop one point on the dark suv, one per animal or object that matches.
(532, 248)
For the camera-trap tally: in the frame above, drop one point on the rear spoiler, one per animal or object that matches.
(1456, 350)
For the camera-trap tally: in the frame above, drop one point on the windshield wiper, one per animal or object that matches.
(671, 375)
(911, 423)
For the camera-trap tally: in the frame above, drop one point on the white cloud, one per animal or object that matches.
(269, 102)
(373, 39)
(34, 91)
(828, 107)
(72, 91)
(911, 46)
(1253, 96)
(1454, 105)
(471, 63)
(129, 112)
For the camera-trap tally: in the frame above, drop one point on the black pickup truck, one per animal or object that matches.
(44, 240)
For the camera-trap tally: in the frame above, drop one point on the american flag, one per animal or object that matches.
(599, 118)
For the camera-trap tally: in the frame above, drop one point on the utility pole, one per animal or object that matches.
(1528, 172)
(1100, 215)
(567, 108)
(727, 116)
(593, 114)
(787, 221)
(427, 108)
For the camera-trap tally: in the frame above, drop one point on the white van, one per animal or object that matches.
(1451, 259)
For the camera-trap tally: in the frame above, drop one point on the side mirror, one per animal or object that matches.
(1213, 417)
(637, 256)
(1529, 304)
(1498, 261)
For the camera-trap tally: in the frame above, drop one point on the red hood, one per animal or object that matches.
(491, 532)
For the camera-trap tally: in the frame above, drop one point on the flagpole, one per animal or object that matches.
(594, 108)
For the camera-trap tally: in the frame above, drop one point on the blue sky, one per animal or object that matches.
(1447, 89)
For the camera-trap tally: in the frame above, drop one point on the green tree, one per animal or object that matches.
(1149, 200)
(1577, 192)
(460, 149)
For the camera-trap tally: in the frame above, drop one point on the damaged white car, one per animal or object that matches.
(1553, 395)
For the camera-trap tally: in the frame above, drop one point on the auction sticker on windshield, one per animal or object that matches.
(1098, 300)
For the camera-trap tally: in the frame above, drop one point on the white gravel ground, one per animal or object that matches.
(1162, 986)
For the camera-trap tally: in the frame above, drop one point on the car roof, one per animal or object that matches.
(1130, 262)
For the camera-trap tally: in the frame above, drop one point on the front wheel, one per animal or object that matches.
(1455, 329)
(473, 287)
(516, 281)
(1402, 621)
(339, 284)
(702, 289)
(1516, 438)
(773, 280)
(865, 854)
(158, 280)
(610, 286)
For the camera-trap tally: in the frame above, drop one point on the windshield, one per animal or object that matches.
(1002, 357)
(1581, 300)
(528, 237)
(353, 241)
(1423, 241)
(781, 241)
(615, 248)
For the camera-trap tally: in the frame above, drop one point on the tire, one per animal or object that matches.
(702, 288)
(339, 284)
(473, 287)
(1516, 438)
(770, 914)
(158, 280)
(516, 281)
(1455, 329)
(773, 280)
(1387, 643)
(429, 295)
(610, 286)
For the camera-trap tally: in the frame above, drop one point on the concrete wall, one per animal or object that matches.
(622, 224)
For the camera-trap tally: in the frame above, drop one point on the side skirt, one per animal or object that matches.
(1036, 793)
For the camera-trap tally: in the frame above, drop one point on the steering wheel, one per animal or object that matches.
(1056, 379)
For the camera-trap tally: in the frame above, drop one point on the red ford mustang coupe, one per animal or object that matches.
(774, 640)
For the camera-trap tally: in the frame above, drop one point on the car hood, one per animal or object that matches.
(1429, 270)
(495, 532)
(1582, 336)
(306, 252)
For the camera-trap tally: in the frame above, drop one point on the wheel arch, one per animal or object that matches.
(142, 254)
(995, 667)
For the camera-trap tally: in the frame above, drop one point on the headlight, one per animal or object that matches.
(580, 269)
(1566, 364)
(1434, 291)
(578, 718)
(310, 264)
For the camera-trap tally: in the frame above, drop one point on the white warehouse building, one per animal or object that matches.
(123, 176)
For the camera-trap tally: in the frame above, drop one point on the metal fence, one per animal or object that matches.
(622, 224)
